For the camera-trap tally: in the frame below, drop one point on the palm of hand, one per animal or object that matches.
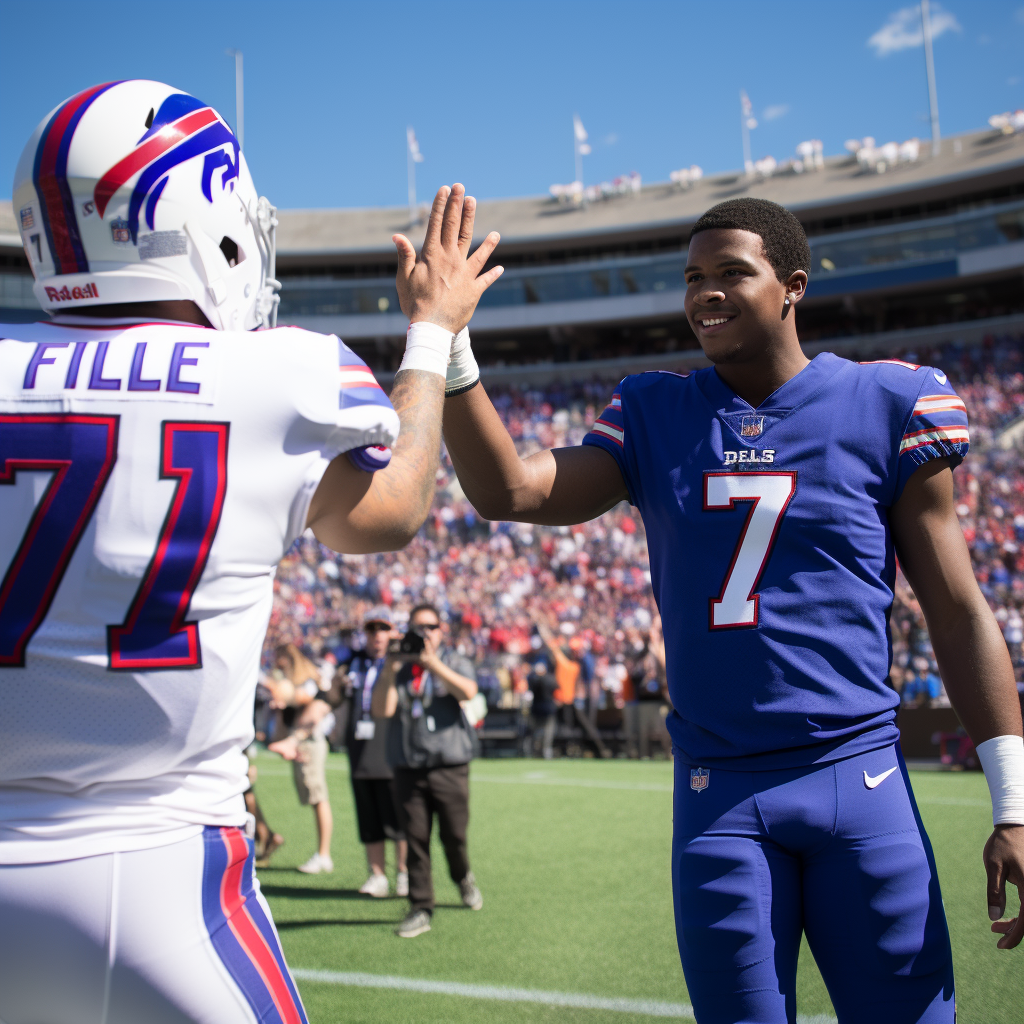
(443, 285)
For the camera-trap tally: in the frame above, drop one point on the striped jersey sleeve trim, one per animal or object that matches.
(358, 386)
(356, 377)
(932, 435)
(939, 403)
(609, 430)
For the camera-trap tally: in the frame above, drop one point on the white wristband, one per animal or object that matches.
(463, 372)
(427, 347)
(1002, 760)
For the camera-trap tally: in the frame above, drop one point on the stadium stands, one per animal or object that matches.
(592, 582)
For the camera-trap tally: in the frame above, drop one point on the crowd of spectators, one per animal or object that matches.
(502, 585)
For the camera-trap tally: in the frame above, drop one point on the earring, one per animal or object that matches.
(785, 308)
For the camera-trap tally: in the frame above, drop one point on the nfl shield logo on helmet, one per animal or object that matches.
(120, 232)
(751, 426)
(699, 778)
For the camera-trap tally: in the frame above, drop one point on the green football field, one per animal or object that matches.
(572, 857)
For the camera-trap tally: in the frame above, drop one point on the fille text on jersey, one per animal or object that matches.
(84, 366)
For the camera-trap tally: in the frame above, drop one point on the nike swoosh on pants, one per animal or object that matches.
(872, 781)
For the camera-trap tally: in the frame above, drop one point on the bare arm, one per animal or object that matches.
(359, 512)
(458, 686)
(384, 703)
(551, 488)
(969, 648)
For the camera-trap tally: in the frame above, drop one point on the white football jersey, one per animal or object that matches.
(151, 477)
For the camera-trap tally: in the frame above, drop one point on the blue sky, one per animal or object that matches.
(491, 87)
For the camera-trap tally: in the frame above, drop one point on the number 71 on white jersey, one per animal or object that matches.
(736, 606)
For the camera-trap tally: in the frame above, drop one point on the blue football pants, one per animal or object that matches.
(759, 857)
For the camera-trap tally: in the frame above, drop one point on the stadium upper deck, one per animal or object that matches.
(931, 242)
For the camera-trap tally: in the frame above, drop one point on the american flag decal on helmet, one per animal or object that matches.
(49, 175)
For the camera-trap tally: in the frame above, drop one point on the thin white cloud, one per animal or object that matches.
(773, 113)
(610, 139)
(903, 30)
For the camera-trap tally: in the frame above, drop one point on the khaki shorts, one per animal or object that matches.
(310, 774)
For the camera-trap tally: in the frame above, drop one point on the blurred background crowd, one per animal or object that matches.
(518, 598)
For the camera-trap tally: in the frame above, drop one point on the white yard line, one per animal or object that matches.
(501, 993)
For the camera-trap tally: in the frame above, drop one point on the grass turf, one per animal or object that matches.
(572, 859)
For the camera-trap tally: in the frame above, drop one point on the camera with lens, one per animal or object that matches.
(410, 644)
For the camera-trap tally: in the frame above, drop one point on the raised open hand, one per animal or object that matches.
(444, 284)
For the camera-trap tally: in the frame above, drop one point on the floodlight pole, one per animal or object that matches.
(929, 62)
(239, 97)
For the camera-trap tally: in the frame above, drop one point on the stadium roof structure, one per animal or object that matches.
(928, 243)
(841, 187)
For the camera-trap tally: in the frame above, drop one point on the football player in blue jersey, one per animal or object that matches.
(777, 492)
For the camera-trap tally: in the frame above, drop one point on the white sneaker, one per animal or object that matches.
(317, 865)
(402, 883)
(375, 885)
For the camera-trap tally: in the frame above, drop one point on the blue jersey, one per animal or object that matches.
(771, 556)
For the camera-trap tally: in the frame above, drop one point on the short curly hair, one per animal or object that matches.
(783, 236)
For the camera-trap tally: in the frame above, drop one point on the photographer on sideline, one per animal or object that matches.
(430, 746)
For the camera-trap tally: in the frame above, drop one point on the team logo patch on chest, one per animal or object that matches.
(699, 778)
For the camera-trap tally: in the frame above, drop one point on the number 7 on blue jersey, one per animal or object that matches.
(737, 605)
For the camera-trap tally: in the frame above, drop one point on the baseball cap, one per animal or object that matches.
(379, 613)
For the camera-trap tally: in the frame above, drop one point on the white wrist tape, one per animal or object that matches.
(427, 347)
(463, 372)
(1002, 760)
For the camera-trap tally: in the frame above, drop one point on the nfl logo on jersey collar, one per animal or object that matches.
(699, 778)
(751, 426)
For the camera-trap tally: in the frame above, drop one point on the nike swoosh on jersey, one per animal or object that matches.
(877, 780)
(940, 377)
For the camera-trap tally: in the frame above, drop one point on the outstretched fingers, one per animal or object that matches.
(406, 255)
(452, 217)
(433, 236)
(466, 227)
(483, 252)
(484, 281)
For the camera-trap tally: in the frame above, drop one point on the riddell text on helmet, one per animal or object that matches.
(67, 294)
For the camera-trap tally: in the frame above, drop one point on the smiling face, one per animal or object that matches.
(734, 300)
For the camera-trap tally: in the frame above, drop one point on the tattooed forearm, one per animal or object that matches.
(408, 481)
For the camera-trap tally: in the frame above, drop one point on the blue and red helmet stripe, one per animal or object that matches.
(49, 175)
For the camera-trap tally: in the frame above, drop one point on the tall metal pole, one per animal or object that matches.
(239, 97)
(929, 61)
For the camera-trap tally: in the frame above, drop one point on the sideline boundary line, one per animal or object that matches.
(501, 993)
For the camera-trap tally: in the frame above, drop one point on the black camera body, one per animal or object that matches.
(411, 643)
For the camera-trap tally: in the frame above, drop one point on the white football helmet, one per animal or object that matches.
(134, 192)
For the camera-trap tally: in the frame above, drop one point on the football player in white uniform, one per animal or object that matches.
(152, 473)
